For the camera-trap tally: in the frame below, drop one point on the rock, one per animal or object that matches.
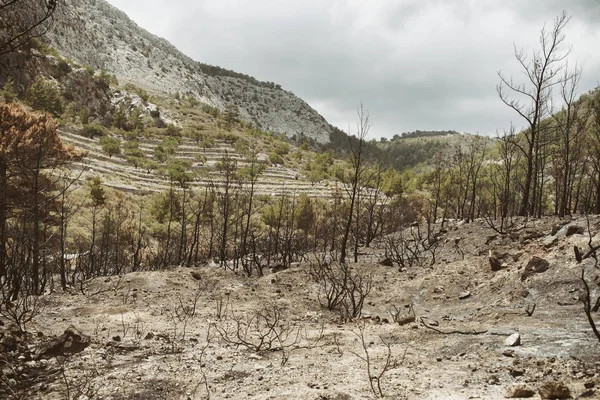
(464, 295)
(555, 229)
(578, 255)
(574, 230)
(196, 275)
(278, 268)
(588, 393)
(438, 289)
(116, 338)
(531, 234)
(123, 347)
(405, 320)
(495, 263)
(149, 336)
(513, 340)
(550, 241)
(554, 390)
(70, 342)
(333, 396)
(490, 239)
(515, 372)
(536, 265)
(508, 353)
(386, 262)
(519, 392)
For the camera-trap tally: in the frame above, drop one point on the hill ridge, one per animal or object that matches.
(116, 43)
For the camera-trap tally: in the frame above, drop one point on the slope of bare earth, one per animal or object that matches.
(161, 354)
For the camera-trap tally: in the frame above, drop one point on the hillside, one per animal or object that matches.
(115, 43)
(120, 174)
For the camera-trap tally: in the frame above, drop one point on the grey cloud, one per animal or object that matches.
(415, 64)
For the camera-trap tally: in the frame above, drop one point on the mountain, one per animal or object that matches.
(115, 43)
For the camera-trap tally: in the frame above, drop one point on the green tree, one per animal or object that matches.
(110, 145)
(45, 96)
(178, 172)
(282, 148)
(119, 118)
(84, 115)
(231, 115)
(9, 91)
(94, 129)
(166, 149)
(275, 158)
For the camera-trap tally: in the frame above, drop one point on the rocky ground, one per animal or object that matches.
(173, 334)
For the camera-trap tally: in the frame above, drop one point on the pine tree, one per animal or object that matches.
(9, 91)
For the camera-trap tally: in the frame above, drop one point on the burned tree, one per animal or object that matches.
(530, 99)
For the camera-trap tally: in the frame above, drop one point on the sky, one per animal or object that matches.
(413, 64)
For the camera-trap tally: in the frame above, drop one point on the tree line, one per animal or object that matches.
(57, 231)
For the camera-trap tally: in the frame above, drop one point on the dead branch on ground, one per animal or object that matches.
(452, 332)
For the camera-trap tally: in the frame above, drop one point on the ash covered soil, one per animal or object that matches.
(148, 341)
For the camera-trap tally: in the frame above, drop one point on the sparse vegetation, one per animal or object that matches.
(45, 96)
(218, 244)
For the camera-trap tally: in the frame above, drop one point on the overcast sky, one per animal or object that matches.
(414, 64)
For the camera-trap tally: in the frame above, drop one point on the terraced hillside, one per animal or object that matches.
(119, 174)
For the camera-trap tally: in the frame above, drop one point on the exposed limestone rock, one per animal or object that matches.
(513, 340)
(536, 265)
(464, 295)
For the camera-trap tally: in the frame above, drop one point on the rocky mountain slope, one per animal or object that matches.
(94, 33)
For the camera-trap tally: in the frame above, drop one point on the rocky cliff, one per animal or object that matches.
(94, 33)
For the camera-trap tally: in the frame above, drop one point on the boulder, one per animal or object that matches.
(536, 265)
(574, 230)
(70, 342)
(196, 275)
(519, 392)
(495, 263)
(513, 340)
(554, 390)
(386, 262)
(570, 230)
(550, 241)
(278, 268)
(464, 295)
(556, 228)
